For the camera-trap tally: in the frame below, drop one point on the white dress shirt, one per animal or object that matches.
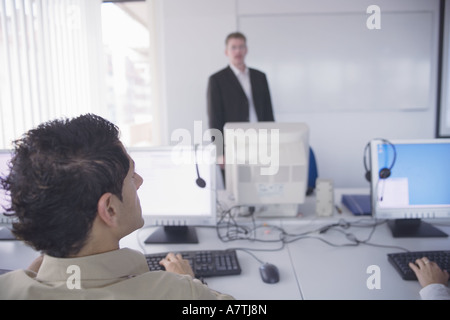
(435, 291)
(244, 80)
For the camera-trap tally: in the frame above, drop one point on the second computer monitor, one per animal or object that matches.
(266, 165)
(5, 201)
(178, 191)
(416, 187)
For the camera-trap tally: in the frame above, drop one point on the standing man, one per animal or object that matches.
(237, 93)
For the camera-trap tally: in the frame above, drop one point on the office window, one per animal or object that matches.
(126, 43)
(50, 61)
(63, 58)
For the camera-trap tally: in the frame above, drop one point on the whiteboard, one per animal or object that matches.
(333, 62)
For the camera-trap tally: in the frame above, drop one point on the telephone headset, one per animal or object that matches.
(384, 173)
(200, 181)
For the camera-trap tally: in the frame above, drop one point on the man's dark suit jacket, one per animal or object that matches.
(227, 101)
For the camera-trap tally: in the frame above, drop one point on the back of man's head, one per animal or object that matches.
(58, 172)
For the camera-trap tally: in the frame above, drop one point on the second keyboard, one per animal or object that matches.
(401, 260)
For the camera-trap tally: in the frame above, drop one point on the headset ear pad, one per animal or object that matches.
(385, 173)
(368, 176)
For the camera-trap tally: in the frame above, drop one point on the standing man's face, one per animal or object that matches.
(236, 50)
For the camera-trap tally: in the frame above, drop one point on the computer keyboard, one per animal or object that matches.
(207, 263)
(400, 261)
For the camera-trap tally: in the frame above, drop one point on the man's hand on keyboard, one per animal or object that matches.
(176, 263)
(428, 272)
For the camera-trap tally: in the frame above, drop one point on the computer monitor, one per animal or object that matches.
(5, 201)
(266, 166)
(414, 184)
(178, 192)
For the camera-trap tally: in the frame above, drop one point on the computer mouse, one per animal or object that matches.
(269, 273)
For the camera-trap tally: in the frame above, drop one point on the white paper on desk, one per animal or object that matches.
(393, 192)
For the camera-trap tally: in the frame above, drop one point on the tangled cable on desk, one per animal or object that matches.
(229, 229)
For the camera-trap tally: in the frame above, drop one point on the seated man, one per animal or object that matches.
(74, 192)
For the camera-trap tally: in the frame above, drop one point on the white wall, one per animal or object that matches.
(191, 37)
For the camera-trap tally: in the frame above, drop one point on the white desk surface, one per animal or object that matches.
(309, 268)
(247, 285)
(329, 272)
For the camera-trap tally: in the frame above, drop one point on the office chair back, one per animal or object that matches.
(312, 172)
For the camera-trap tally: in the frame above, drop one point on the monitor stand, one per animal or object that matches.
(414, 228)
(173, 234)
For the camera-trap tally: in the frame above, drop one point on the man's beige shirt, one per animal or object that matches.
(119, 274)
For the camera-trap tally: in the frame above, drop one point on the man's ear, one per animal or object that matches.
(106, 210)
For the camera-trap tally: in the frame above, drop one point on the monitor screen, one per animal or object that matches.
(266, 165)
(170, 194)
(5, 201)
(418, 184)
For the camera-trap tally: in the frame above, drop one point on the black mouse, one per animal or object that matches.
(269, 273)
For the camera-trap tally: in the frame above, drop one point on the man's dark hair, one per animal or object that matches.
(235, 35)
(58, 172)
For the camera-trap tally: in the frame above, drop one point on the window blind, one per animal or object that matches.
(50, 63)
